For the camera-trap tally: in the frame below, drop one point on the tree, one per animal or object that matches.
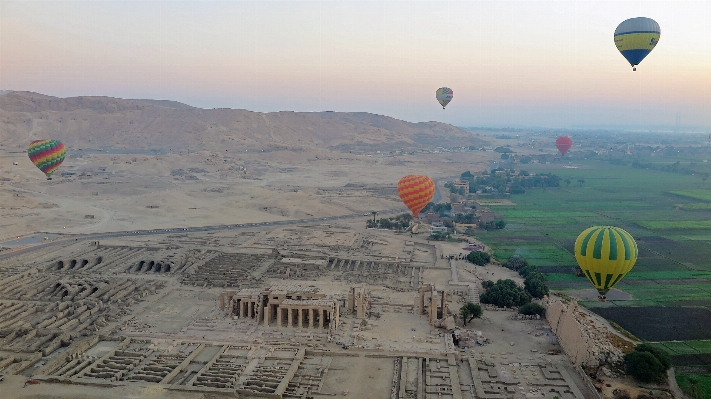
(505, 293)
(644, 366)
(531, 309)
(567, 182)
(486, 284)
(374, 213)
(478, 258)
(470, 311)
(535, 285)
(662, 356)
(581, 181)
(516, 262)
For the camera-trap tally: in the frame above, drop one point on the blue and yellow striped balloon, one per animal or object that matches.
(636, 37)
(605, 254)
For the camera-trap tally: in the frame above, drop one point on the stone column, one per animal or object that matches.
(338, 315)
(312, 313)
(300, 317)
(267, 313)
(242, 305)
(322, 317)
(351, 300)
(290, 317)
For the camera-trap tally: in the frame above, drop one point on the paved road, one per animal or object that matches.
(137, 233)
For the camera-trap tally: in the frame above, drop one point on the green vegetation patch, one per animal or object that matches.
(695, 385)
(679, 348)
(701, 346)
(666, 275)
(563, 277)
(675, 224)
(533, 213)
(704, 195)
(696, 206)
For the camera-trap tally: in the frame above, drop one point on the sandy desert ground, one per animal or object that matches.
(140, 192)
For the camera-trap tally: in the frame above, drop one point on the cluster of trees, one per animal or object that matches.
(443, 209)
(495, 225)
(504, 293)
(478, 258)
(465, 218)
(535, 282)
(470, 311)
(400, 222)
(676, 167)
(502, 180)
(439, 236)
(647, 364)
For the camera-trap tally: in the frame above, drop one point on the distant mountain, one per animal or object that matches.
(96, 122)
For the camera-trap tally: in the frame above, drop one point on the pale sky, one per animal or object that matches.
(525, 63)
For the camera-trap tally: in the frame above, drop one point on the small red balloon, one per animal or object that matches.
(564, 143)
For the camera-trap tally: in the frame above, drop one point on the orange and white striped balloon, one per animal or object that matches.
(416, 192)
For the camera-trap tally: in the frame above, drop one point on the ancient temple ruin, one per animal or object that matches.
(283, 305)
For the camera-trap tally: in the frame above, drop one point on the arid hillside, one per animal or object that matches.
(105, 122)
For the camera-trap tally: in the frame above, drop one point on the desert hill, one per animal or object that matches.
(106, 122)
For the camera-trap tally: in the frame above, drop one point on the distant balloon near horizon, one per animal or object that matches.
(605, 254)
(416, 191)
(444, 96)
(563, 143)
(635, 38)
(47, 155)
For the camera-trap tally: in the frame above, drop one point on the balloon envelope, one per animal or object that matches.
(47, 155)
(444, 96)
(416, 192)
(564, 143)
(605, 254)
(636, 38)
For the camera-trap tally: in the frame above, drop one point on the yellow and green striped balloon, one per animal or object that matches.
(605, 254)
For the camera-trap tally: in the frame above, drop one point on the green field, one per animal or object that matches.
(676, 225)
(668, 214)
(704, 195)
(694, 385)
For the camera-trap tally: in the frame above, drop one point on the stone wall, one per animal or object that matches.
(584, 341)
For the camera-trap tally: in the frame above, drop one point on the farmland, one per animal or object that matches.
(669, 214)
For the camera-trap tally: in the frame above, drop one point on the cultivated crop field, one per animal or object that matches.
(669, 215)
(662, 323)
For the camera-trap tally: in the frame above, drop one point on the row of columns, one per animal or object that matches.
(248, 309)
(301, 314)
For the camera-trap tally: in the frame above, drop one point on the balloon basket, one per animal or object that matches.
(49, 178)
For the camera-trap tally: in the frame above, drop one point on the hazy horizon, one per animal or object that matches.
(551, 64)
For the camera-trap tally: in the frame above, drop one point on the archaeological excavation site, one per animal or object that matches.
(299, 311)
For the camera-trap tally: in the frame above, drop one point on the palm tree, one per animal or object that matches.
(374, 213)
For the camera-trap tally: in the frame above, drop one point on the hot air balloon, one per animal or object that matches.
(416, 192)
(605, 254)
(563, 143)
(636, 37)
(47, 155)
(444, 96)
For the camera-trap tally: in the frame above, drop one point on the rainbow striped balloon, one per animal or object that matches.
(47, 155)
(416, 192)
